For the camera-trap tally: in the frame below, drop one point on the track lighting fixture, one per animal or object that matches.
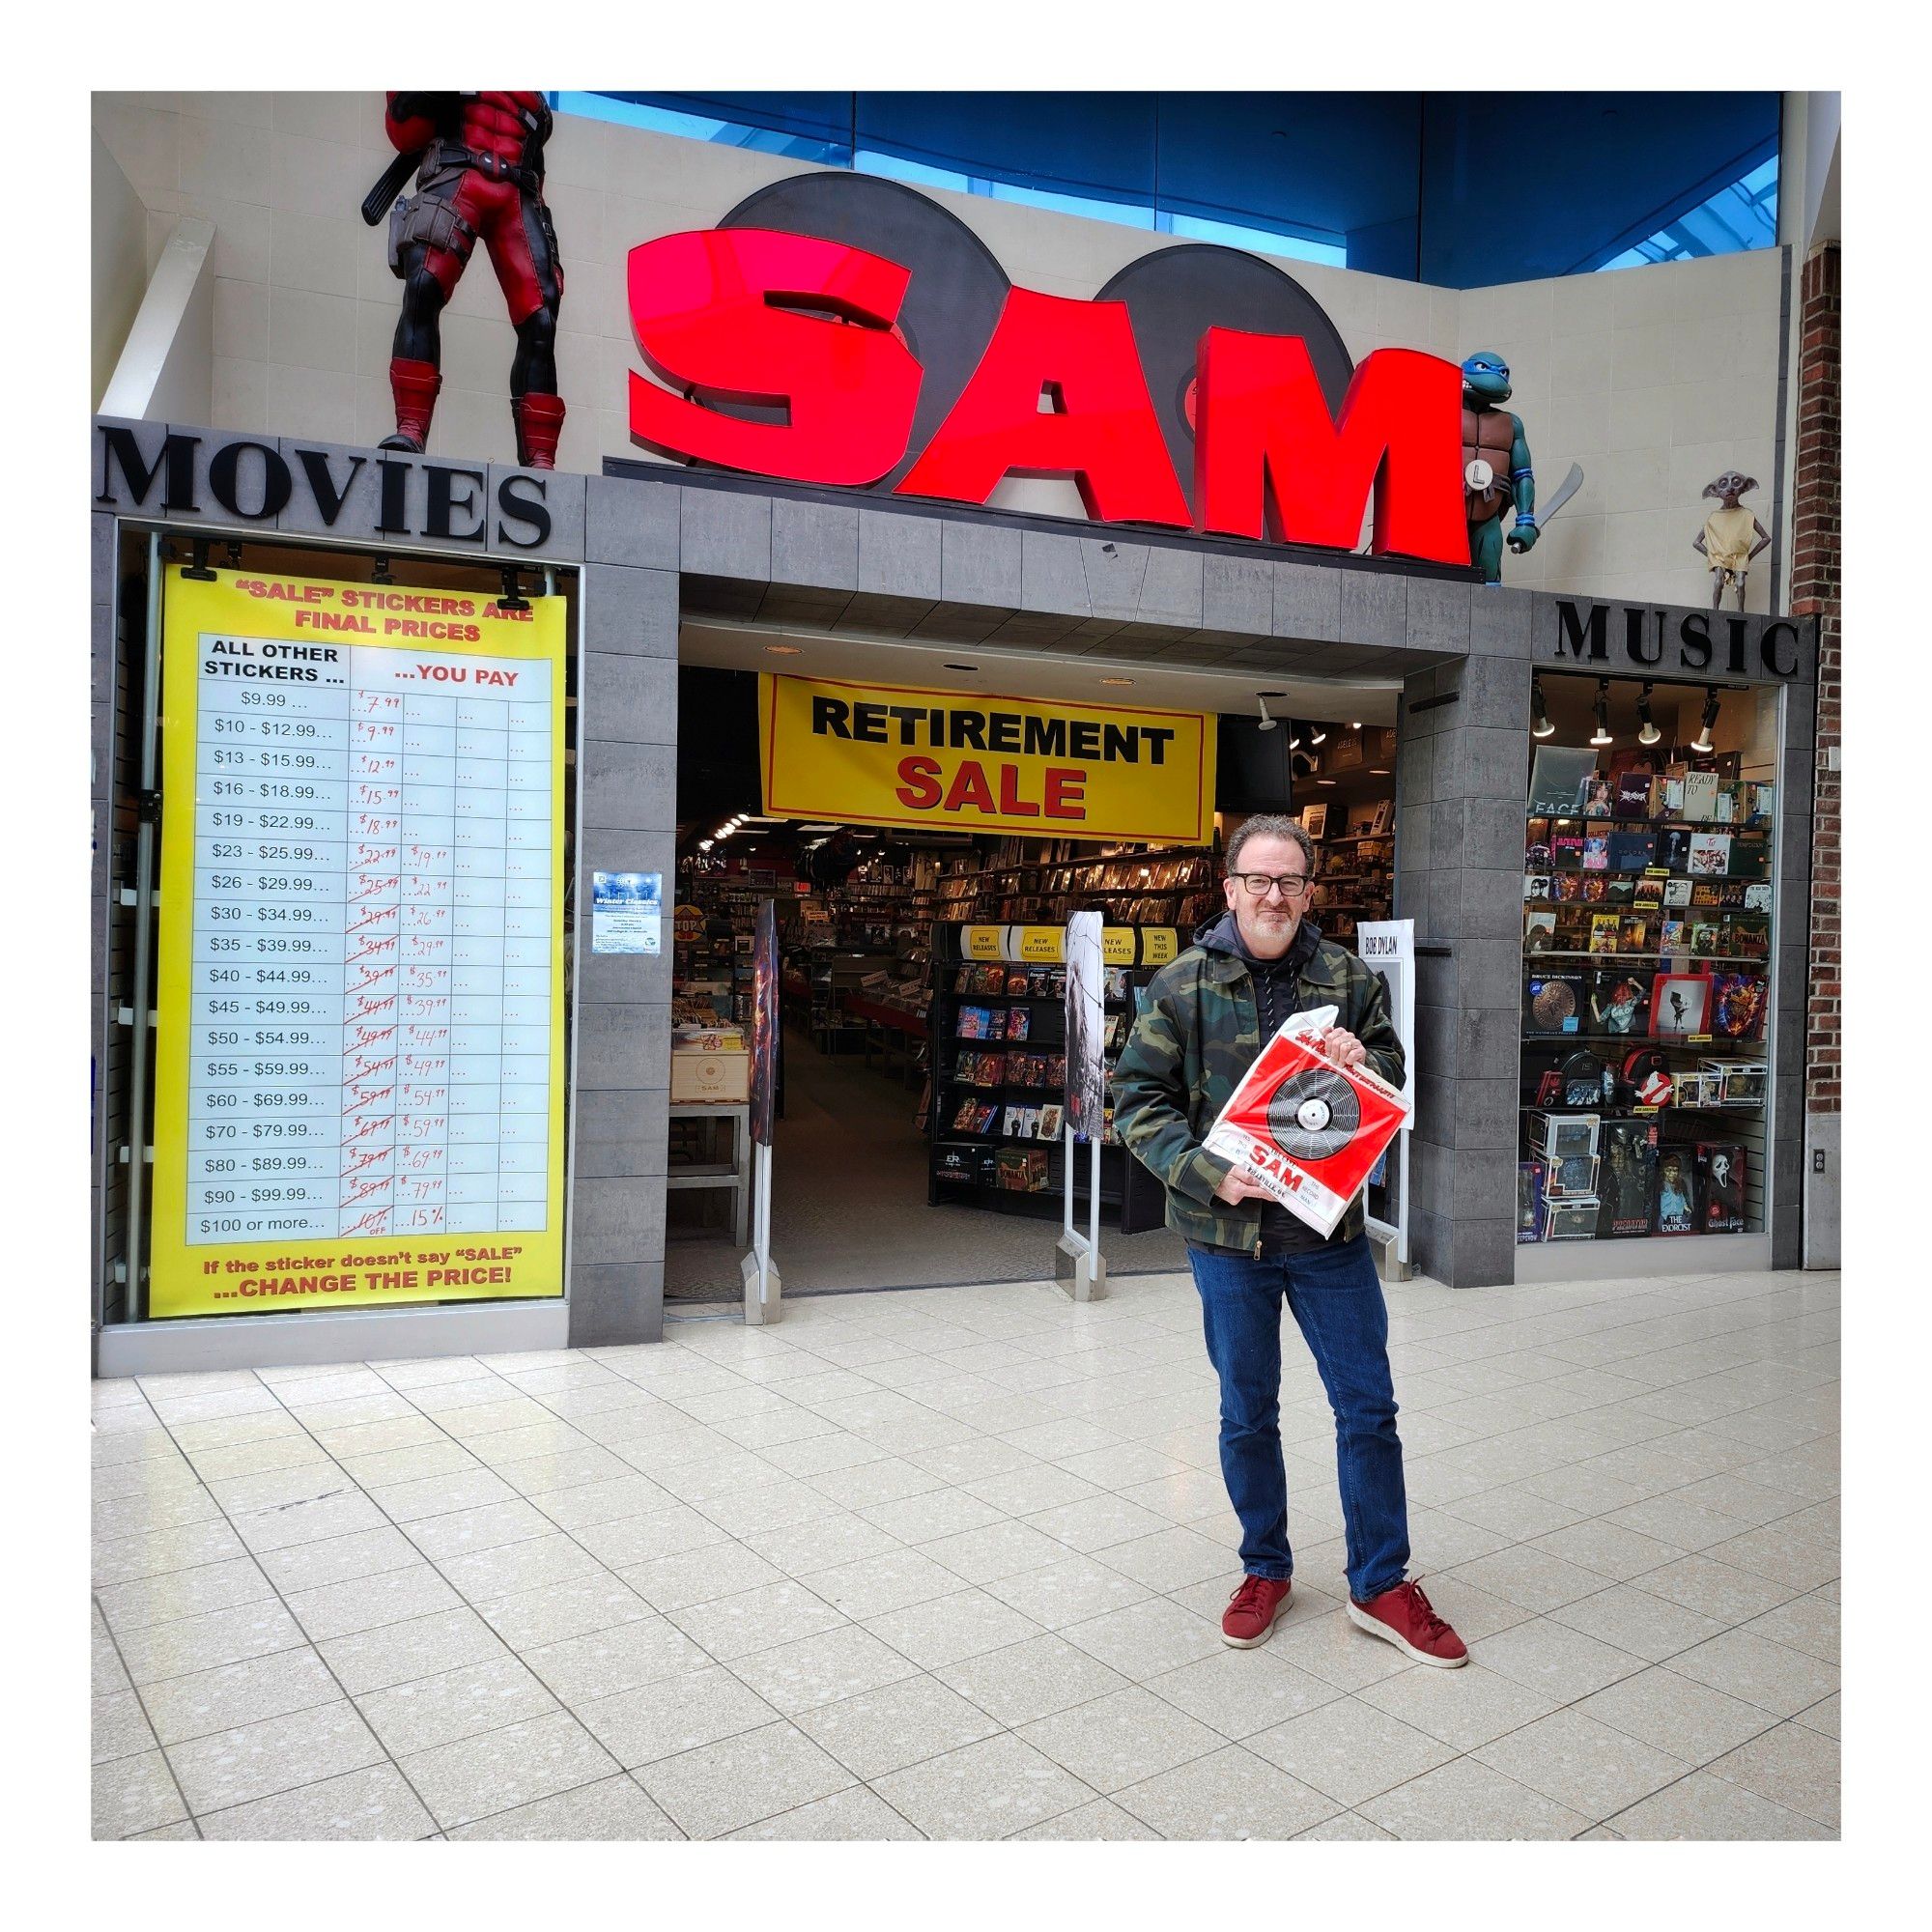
(1703, 741)
(1602, 734)
(1647, 732)
(1262, 697)
(1318, 734)
(1539, 725)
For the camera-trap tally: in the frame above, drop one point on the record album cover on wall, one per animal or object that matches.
(1680, 1003)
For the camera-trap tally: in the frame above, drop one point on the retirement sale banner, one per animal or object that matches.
(887, 754)
(359, 1047)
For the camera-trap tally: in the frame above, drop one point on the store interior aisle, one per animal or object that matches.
(849, 1208)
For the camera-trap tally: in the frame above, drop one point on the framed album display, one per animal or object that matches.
(1683, 1003)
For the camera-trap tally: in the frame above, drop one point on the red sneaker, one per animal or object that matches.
(1405, 1617)
(1252, 1610)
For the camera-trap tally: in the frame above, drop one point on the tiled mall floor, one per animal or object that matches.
(951, 1563)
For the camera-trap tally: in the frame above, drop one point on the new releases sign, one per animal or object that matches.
(883, 754)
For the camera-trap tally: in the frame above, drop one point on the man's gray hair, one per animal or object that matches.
(1270, 825)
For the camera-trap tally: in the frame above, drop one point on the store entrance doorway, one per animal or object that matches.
(918, 1139)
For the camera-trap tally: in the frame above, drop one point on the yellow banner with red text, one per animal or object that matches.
(894, 755)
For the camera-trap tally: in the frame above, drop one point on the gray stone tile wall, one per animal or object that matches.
(627, 770)
(1458, 870)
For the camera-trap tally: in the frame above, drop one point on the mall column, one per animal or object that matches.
(1463, 734)
(627, 769)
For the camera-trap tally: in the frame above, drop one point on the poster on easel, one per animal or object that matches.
(1387, 948)
(1086, 1026)
(764, 1024)
(761, 1279)
(1079, 1263)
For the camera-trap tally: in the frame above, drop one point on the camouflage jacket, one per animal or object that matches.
(1196, 1037)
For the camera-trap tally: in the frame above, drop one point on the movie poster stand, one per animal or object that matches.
(1387, 947)
(1079, 1266)
(763, 1290)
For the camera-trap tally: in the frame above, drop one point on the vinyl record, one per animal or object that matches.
(1176, 294)
(1553, 1002)
(952, 303)
(1314, 1114)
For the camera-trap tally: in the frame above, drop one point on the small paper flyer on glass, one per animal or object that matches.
(626, 912)
(1305, 1129)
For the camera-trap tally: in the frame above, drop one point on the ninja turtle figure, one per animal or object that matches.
(1496, 472)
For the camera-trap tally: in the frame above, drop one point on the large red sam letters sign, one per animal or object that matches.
(756, 315)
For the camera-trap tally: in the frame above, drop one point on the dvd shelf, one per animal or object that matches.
(1646, 990)
(1349, 809)
(998, 1069)
(1174, 887)
(712, 937)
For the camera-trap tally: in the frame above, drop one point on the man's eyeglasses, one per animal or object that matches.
(1291, 885)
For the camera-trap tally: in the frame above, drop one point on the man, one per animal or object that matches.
(1206, 1018)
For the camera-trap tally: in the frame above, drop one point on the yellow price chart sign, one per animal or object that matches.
(359, 1047)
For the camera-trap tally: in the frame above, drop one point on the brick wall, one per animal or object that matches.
(1816, 592)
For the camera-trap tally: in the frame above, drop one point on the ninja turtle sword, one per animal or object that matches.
(1561, 495)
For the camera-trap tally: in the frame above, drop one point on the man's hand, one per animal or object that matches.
(1343, 1047)
(1235, 1189)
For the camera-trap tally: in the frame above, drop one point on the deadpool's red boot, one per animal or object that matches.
(414, 386)
(539, 421)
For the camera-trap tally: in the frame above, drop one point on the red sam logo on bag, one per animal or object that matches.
(1307, 1131)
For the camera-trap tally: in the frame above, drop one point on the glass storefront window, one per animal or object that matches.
(1648, 938)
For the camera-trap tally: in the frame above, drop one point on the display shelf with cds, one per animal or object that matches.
(996, 1125)
(1665, 856)
(1530, 959)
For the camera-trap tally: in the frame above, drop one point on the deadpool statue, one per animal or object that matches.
(479, 162)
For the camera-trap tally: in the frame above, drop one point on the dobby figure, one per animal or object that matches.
(1731, 536)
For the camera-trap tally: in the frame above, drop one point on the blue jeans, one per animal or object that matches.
(1336, 1298)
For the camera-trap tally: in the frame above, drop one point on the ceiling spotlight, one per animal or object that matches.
(1267, 723)
(1647, 733)
(1703, 741)
(705, 844)
(1318, 734)
(1293, 736)
(1602, 734)
(1539, 725)
(1355, 724)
